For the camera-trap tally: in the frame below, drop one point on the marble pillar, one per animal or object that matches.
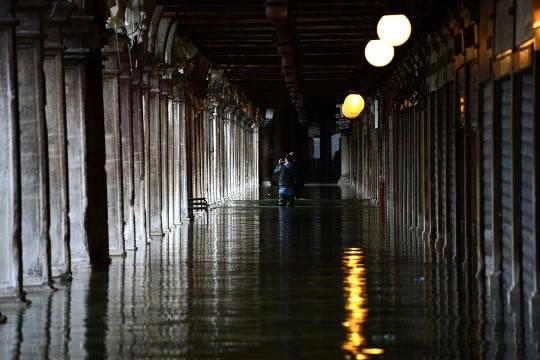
(203, 151)
(113, 148)
(154, 164)
(33, 145)
(176, 158)
(195, 155)
(215, 155)
(200, 156)
(227, 158)
(189, 168)
(89, 238)
(220, 166)
(164, 149)
(345, 150)
(126, 130)
(171, 126)
(146, 114)
(55, 114)
(183, 173)
(257, 156)
(139, 159)
(210, 149)
(10, 191)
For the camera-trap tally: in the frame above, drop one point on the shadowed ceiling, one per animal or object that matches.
(328, 37)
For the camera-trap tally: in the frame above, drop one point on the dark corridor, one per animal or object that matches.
(138, 146)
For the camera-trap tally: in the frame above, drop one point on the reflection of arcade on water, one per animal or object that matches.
(356, 305)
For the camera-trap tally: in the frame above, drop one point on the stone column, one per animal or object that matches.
(257, 157)
(146, 114)
(203, 151)
(171, 126)
(177, 158)
(345, 150)
(201, 139)
(33, 145)
(139, 159)
(196, 155)
(164, 147)
(221, 159)
(216, 164)
(10, 191)
(219, 153)
(228, 158)
(55, 114)
(211, 150)
(235, 157)
(86, 146)
(265, 158)
(113, 148)
(188, 138)
(154, 164)
(126, 130)
(183, 168)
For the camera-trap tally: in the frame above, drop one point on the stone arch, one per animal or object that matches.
(153, 28)
(161, 38)
(168, 53)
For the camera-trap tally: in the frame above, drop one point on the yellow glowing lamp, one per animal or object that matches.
(379, 53)
(353, 106)
(394, 29)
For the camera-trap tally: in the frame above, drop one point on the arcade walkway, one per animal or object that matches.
(257, 281)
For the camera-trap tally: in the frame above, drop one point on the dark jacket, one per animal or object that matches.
(287, 174)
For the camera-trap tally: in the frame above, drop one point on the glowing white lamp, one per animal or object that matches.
(353, 105)
(394, 29)
(379, 53)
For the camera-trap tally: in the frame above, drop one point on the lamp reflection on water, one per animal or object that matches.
(356, 305)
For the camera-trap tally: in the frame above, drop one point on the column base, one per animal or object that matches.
(33, 281)
(156, 237)
(266, 183)
(344, 180)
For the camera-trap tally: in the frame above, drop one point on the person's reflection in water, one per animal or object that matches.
(286, 227)
(96, 316)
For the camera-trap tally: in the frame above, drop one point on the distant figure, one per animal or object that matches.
(287, 180)
(299, 177)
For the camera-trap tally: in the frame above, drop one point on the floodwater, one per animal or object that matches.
(254, 281)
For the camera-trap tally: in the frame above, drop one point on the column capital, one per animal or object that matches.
(57, 16)
(75, 34)
(112, 51)
(164, 87)
(28, 14)
(137, 77)
(58, 12)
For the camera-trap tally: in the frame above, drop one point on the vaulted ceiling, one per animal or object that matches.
(329, 39)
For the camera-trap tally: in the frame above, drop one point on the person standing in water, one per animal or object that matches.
(299, 177)
(286, 171)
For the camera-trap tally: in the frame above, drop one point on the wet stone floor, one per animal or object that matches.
(254, 281)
